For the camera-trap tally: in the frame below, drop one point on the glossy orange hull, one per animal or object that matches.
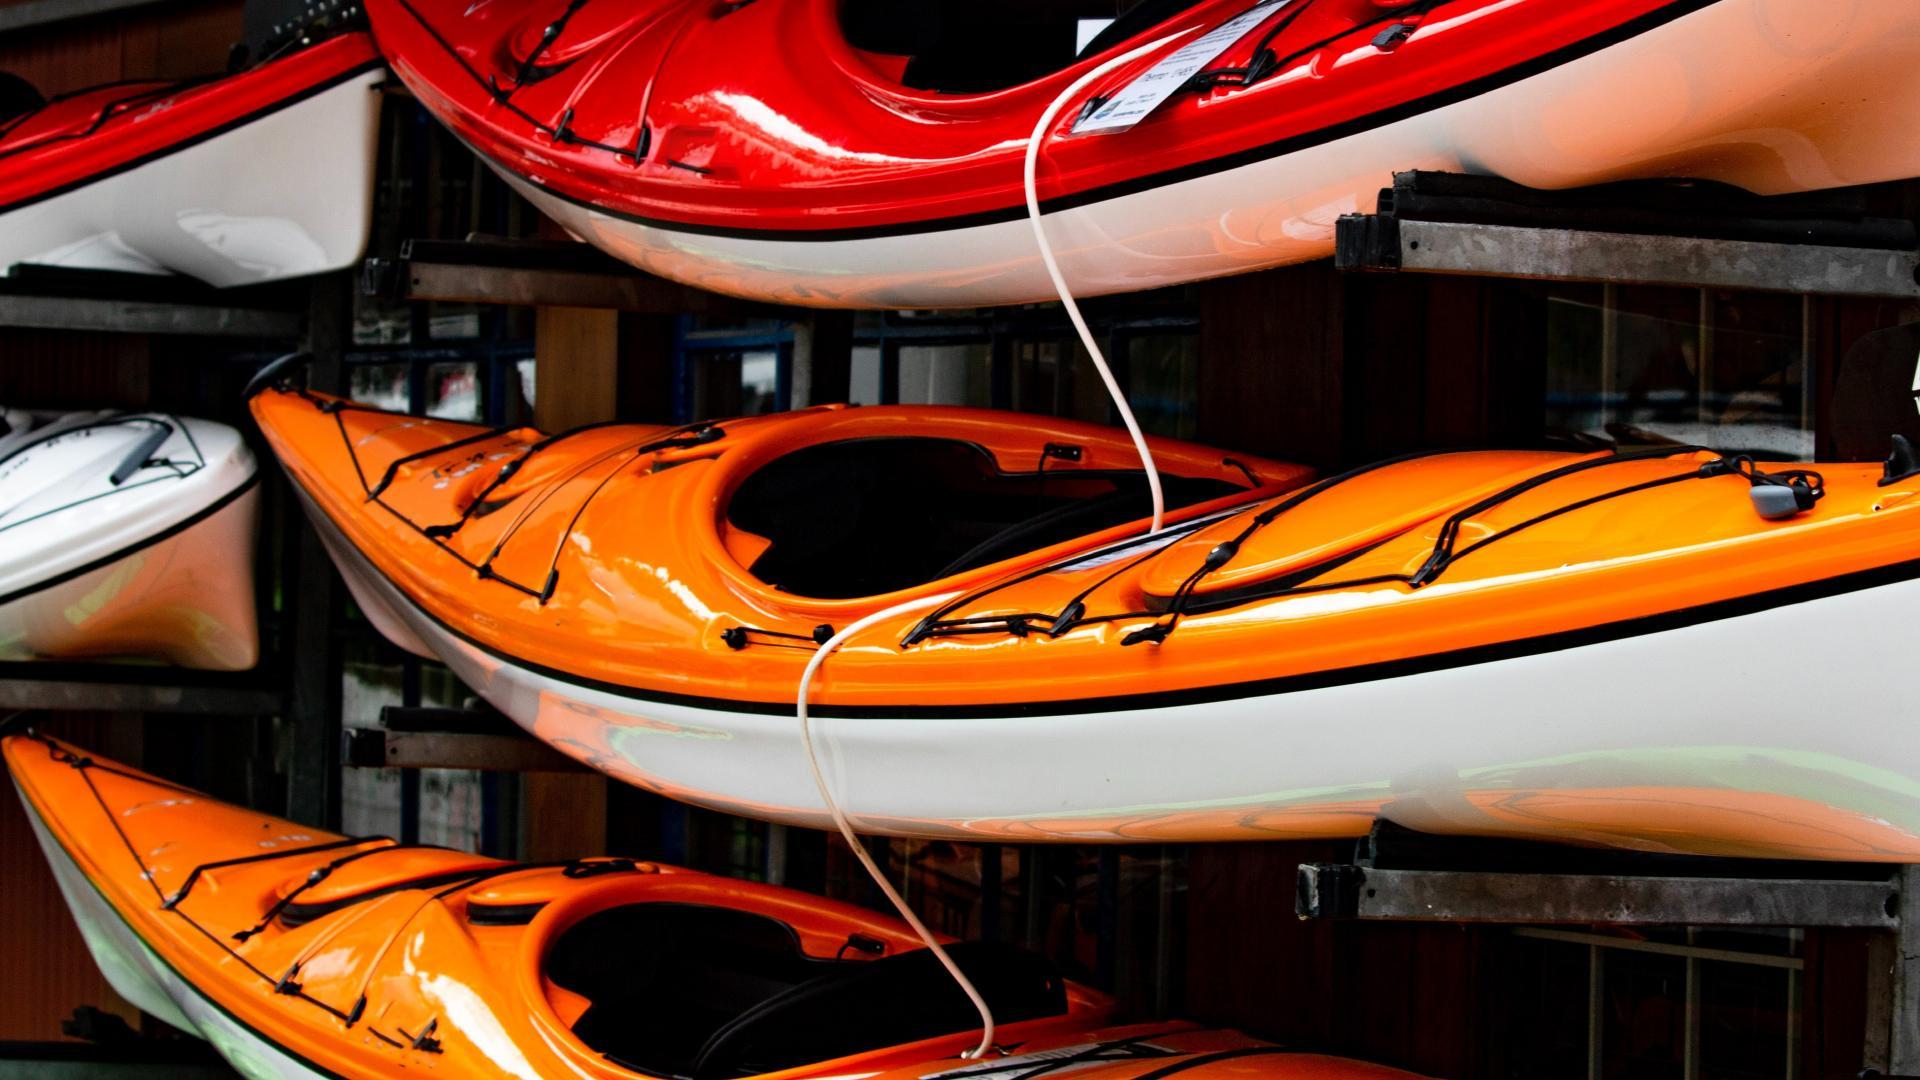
(302, 953)
(1608, 634)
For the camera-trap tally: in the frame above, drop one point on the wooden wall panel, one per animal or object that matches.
(1272, 363)
(1251, 964)
(1837, 325)
(54, 369)
(579, 356)
(1403, 995)
(564, 815)
(1833, 1002)
(47, 971)
(1307, 364)
(175, 41)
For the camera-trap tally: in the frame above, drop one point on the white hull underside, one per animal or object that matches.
(1773, 96)
(187, 599)
(1697, 740)
(288, 194)
(128, 535)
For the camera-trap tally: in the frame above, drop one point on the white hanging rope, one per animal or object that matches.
(846, 827)
(827, 647)
(1060, 282)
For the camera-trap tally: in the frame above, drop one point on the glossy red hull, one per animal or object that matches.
(750, 148)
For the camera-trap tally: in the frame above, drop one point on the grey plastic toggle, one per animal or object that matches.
(1774, 501)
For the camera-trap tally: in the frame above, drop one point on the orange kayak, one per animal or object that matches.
(1571, 646)
(300, 953)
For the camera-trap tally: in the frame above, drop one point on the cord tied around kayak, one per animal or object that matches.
(1157, 633)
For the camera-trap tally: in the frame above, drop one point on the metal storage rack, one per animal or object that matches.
(1668, 234)
(1397, 875)
(1695, 235)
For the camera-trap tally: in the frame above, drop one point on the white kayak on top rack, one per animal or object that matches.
(127, 535)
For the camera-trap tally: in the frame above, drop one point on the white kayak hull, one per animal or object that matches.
(1684, 740)
(158, 567)
(287, 194)
(1742, 92)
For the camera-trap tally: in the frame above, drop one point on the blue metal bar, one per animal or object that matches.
(783, 377)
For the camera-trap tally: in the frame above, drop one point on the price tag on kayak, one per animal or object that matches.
(1158, 83)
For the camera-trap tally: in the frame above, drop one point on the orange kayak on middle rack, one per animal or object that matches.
(1580, 646)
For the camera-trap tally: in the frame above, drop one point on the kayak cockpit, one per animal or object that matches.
(979, 46)
(703, 992)
(864, 517)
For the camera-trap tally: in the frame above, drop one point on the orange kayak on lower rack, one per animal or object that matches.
(300, 953)
(1657, 648)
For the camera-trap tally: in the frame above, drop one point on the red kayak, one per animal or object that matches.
(259, 175)
(869, 153)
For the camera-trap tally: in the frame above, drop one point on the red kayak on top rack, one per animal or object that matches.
(863, 153)
(262, 174)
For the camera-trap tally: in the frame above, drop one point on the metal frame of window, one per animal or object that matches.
(999, 330)
(1705, 328)
(495, 358)
(692, 347)
(1694, 956)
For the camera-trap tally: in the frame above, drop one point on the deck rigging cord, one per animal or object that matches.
(1775, 496)
(1059, 280)
(287, 984)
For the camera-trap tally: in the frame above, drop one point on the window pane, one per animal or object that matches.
(1543, 1032)
(1765, 940)
(452, 322)
(380, 321)
(759, 383)
(450, 809)
(369, 798)
(734, 383)
(1744, 1013)
(453, 391)
(1730, 371)
(864, 386)
(525, 373)
(1642, 1015)
(450, 800)
(384, 386)
(1055, 376)
(1757, 372)
(1163, 382)
(946, 374)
